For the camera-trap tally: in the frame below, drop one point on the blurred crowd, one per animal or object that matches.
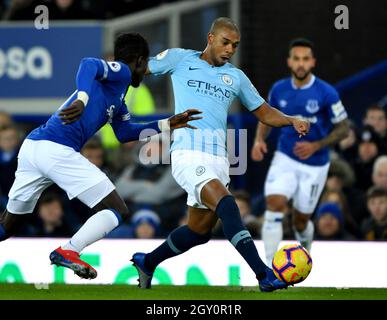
(74, 9)
(353, 205)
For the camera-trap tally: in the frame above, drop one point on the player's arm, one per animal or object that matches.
(274, 118)
(305, 149)
(340, 129)
(126, 131)
(91, 69)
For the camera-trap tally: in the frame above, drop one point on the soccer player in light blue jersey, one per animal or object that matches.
(208, 81)
(300, 166)
(50, 154)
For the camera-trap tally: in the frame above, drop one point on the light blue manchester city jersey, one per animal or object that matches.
(211, 89)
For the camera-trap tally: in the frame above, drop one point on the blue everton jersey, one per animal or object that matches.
(211, 89)
(317, 102)
(106, 84)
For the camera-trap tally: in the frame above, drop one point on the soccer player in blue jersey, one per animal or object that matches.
(199, 159)
(50, 154)
(300, 166)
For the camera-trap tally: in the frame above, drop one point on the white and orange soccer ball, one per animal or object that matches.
(292, 263)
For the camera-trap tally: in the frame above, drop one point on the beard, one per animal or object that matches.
(301, 76)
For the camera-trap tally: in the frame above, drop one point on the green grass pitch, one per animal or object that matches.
(130, 292)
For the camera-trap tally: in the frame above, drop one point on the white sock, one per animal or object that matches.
(94, 229)
(272, 233)
(306, 237)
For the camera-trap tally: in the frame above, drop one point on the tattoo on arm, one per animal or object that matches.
(339, 132)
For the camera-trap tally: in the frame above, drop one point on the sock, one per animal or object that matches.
(94, 229)
(2, 233)
(272, 233)
(233, 228)
(179, 240)
(306, 237)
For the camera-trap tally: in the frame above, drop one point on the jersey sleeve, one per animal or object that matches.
(91, 69)
(166, 61)
(335, 107)
(126, 131)
(248, 94)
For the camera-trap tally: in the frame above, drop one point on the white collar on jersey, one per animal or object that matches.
(305, 86)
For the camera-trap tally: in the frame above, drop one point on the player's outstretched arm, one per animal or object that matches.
(126, 131)
(275, 118)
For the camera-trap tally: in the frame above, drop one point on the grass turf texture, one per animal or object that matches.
(126, 292)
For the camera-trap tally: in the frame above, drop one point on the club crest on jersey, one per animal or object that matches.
(110, 113)
(162, 55)
(227, 79)
(312, 106)
(115, 66)
(200, 170)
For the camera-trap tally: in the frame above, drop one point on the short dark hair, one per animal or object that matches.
(49, 197)
(374, 107)
(376, 192)
(130, 46)
(301, 42)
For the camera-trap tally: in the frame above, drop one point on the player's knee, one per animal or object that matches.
(276, 204)
(124, 212)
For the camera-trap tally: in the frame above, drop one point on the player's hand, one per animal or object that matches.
(304, 149)
(181, 120)
(301, 126)
(258, 151)
(72, 113)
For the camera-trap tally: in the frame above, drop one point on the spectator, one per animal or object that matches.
(375, 116)
(341, 178)
(337, 197)
(145, 224)
(51, 213)
(251, 222)
(347, 147)
(152, 185)
(379, 172)
(375, 227)
(9, 147)
(329, 222)
(5, 120)
(368, 150)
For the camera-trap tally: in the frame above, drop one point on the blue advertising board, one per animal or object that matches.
(43, 63)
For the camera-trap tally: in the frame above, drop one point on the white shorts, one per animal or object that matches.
(193, 169)
(42, 163)
(295, 180)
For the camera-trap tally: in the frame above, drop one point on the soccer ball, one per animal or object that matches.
(292, 263)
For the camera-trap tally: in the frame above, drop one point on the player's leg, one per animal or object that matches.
(303, 228)
(80, 178)
(311, 184)
(180, 240)
(280, 186)
(10, 224)
(25, 191)
(110, 212)
(272, 227)
(217, 198)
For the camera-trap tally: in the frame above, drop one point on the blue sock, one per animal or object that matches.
(233, 228)
(2, 233)
(179, 240)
